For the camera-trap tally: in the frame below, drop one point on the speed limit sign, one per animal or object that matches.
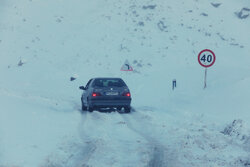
(206, 58)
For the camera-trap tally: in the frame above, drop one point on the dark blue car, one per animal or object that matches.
(106, 93)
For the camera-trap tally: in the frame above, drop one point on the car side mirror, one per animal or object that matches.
(82, 87)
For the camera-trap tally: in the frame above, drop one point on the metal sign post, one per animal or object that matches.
(206, 58)
(205, 79)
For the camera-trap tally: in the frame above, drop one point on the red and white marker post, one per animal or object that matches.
(206, 58)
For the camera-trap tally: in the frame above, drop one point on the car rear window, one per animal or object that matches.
(109, 83)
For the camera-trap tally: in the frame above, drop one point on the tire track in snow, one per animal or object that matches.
(89, 146)
(83, 158)
(111, 136)
(158, 151)
(75, 152)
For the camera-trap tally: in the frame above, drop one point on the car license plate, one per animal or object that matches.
(111, 93)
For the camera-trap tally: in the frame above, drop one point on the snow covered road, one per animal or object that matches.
(138, 123)
(43, 135)
(57, 133)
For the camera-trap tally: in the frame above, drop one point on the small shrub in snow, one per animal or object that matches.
(72, 78)
(204, 14)
(20, 63)
(216, 5)
(243, 162)
(139, 65)
(235, 129)
(161, 25)
(141, 23)
(244, 13)
(149, 7)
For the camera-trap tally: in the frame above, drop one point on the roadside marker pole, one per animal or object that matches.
(174, 84)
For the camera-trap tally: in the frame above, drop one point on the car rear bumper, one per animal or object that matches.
(110, 103)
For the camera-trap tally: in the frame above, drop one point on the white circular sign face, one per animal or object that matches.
(206, 58)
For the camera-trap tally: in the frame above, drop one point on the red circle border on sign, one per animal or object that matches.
(206, 50)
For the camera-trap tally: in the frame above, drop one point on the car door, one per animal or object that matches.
(86, 92)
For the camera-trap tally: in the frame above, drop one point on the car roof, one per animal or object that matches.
(106, 78)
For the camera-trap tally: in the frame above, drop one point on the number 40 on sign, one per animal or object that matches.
(206, 58)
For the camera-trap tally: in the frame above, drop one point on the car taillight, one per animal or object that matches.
(94, 94)
(126, 94)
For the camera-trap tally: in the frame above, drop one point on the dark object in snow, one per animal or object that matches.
(204, 14)
(234, 44)
(216, 5)
(72, 78)
(141, 23)
(235, 129)
(221, 36)
(244, 162)
(243, 14)
(174, 84)
(20, 63)
(135, 61)
(58, 20)
(162, 26)
(149, 7)
(139, 65)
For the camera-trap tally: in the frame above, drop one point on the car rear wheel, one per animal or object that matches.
(84, 108)
(119, 109)
(127, 109)
(90, 109)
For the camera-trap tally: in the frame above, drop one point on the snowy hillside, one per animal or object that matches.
(44, 43)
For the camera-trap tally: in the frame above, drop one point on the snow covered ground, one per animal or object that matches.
(44, 43)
